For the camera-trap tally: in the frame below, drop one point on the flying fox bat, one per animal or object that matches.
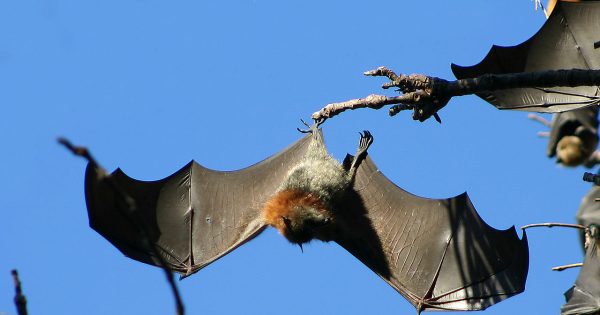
(573, 137)
(584, 296)
(438, 253)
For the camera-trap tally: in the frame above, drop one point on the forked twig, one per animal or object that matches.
(540, 119)
(131, 214)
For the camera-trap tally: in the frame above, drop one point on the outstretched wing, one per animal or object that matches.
(438, 253)
(195, 216)
(567, 40)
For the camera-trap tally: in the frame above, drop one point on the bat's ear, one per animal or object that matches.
(348, 162)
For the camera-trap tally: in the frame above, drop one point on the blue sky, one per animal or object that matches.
(149, 85)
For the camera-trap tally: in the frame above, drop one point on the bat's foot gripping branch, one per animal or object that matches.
(311, 128)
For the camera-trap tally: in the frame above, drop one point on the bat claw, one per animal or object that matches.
(366, 139)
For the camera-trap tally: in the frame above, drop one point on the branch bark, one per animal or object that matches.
(564, 267)
(426, 95)
(553, 224)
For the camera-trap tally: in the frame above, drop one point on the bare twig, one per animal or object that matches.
(564, 267)
(543, 121)
(426, 95)
(382, 72)
(540, 119)
(131, 214)
(543, 134)
(553, 224)
(373, 101)
(20, 300)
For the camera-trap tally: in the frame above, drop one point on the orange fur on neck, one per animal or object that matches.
(284, 204)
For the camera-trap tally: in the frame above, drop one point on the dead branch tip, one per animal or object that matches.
(564, 267)
(553, 224)
(20, 300)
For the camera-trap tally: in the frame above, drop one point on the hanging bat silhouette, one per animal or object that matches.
(584, 296)
(589, 209)
(573, 137)
(568, 40)
(438, 253)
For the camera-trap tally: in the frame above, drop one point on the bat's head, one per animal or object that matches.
(573, 151)
(299, 216)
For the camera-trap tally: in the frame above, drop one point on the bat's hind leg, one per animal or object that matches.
(366, 139)
(311, 128)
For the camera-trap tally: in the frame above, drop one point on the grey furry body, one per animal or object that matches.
(304, 207)
(319, 174)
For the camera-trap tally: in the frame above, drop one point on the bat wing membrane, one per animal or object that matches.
(438, 253)
(565, 41)
(584, 296)
(194, 216)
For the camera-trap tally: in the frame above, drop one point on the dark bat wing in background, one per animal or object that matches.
(438, 253)
(584, 296)
(567, 40)
(195, 216)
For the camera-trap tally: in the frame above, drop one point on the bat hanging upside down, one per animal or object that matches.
(438, 253)
(303, 208)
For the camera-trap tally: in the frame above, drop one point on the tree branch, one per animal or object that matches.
(564, 267)
(552, 224)
(540, 119)
(426, 95)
